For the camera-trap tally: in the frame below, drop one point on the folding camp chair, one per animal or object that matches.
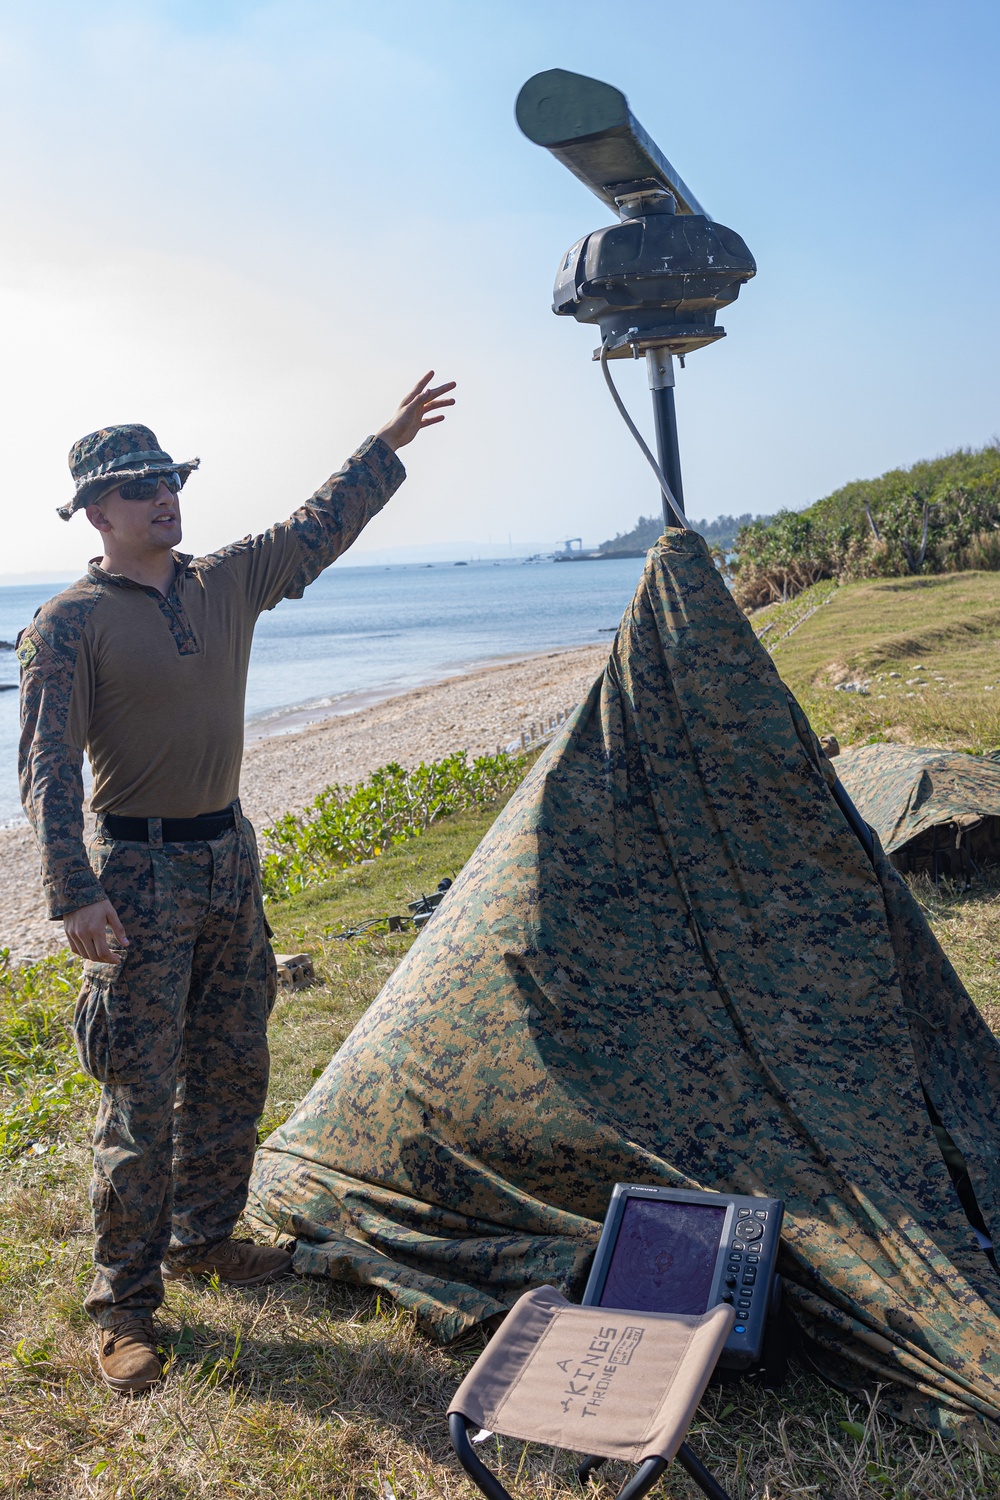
(595, 1380)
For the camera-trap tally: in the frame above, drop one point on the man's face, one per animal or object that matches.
(138, 525)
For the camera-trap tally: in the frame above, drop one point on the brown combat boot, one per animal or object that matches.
(127, 1355)
(236, 1262)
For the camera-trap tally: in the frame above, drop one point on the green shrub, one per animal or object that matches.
(345, 825)
(40, 1078)
(940, 516)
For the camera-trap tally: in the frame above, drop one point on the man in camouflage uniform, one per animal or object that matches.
(143, 665)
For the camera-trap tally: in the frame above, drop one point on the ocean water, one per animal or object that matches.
(376, 630)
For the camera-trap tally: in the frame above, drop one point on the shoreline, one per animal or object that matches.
(475, 708)
(280, 723)
(276, 722)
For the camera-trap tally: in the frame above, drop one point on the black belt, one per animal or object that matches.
(172, 830)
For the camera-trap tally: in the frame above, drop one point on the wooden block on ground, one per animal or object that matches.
(295, 970)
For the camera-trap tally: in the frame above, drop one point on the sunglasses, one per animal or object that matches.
(146, 487)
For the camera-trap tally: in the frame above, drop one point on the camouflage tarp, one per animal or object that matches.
(670, 961)
(905, 792)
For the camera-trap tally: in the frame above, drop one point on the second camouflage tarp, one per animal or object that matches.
(670, 961)
(931, 808)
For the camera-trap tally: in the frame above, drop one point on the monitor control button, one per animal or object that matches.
(743, 1306)
(738, 1245)
(749, 1277)
(752, 1231)
(728, 1297)
(761, 1213)
(753, 1260)
(740, 1328)
(730, 1281)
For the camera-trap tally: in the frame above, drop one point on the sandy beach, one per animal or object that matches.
(475, 711)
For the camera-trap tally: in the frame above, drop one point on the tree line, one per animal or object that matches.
(939, 516)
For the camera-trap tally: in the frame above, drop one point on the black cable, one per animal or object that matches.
(679, 515)
(353, 932)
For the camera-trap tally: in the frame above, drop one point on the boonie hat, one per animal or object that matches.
(113, 455)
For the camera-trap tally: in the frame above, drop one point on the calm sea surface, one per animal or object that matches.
(361, 630)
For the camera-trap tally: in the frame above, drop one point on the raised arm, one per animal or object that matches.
(282, 561)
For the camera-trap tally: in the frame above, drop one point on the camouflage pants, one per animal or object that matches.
(176, 1034)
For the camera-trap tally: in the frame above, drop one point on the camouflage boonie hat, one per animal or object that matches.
(111, 456)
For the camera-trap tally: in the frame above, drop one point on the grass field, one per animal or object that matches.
(310, 1389)
(925, 651)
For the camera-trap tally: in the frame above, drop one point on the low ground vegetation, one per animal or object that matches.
(908, 660)
(345, 825)
(41, 1085)
(308, 1388)
(940, 516)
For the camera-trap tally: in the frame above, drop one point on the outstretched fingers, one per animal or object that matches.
(439, 390)
(417, 389)
(422, 407)
(433, 401)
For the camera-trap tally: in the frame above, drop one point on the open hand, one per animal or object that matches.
(86, 930)
(414, 412)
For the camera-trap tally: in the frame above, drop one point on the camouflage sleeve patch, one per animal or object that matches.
(27, 648)
(51, 774)
(280, 563)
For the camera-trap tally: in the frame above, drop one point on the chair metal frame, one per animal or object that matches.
(641, 1481)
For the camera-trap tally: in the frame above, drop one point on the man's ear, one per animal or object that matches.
(97, 518)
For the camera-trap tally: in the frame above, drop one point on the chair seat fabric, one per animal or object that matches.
(617, 1384)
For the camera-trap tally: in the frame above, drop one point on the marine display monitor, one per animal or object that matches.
(672, 1250)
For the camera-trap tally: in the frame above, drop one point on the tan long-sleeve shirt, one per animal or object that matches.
(153, 688)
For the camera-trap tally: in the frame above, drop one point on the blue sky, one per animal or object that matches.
(251, 225)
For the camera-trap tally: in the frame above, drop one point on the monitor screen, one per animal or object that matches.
(664, 1257)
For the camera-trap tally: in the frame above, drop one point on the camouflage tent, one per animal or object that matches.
(670, 961)
(934, 810)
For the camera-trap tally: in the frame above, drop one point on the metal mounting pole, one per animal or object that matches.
(660, 370)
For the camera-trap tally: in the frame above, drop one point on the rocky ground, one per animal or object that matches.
(475, 712)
